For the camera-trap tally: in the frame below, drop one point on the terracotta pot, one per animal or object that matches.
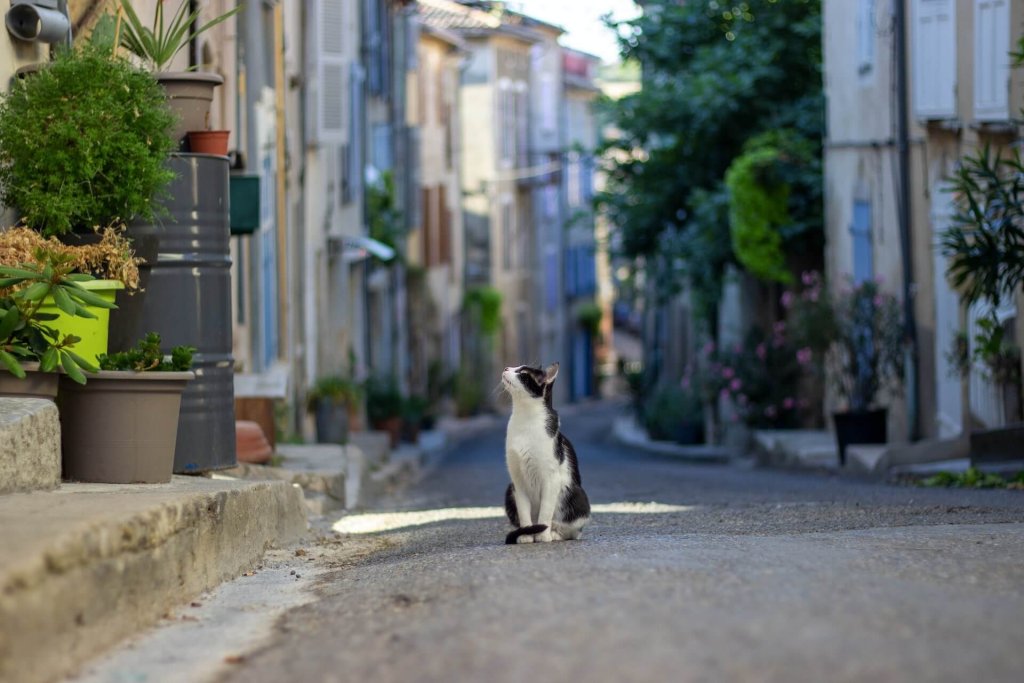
(209, 142)
(120, 427)
(393, 426)
(251, 443)
(35, 384)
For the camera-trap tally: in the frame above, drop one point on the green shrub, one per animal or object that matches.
(484, 303)
(383, 399)
(83, 143)
(671, 412)
(147, 357)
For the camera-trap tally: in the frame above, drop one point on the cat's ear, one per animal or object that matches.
(550, 373)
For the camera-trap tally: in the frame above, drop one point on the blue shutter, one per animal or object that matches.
(863, 260)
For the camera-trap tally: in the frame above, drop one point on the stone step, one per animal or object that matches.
(29, 445)
(87, 565)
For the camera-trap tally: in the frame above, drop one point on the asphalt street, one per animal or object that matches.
(687, 573)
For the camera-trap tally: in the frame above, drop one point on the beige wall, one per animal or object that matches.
(860, 164)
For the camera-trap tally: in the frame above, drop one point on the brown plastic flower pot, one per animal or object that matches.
(35, 384)
(121, 427)
(209, 142)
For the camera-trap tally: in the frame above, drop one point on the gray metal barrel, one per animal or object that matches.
(186, 297)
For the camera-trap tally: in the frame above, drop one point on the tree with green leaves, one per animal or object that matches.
(716, 76)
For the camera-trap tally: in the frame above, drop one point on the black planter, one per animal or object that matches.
(689, 433)
(867, 426)
(331, 422)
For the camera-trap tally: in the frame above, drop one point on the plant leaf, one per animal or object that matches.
(37, 291)
(12, 364)
(83, 363)
(8, 322)
(71, 367)
(48, 363)
(64, 302)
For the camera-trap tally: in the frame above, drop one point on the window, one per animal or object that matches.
(992, 60)
(506, 121)
(865, 38)
(327, 100)
(574, 193)
(863, 260)
(934, 55)
(548, 106)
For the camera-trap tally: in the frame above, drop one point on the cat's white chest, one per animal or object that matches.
(530, 451)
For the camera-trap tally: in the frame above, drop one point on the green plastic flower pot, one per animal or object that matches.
(92, 331)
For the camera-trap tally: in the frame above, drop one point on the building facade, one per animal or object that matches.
(961, 95)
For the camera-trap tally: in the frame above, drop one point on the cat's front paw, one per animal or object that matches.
(524, 539)
(544, 537)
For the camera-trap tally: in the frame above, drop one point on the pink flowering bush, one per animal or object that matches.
(760, 376)
(855, 337)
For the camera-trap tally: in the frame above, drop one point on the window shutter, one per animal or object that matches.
(863, 259)
(355, 124)
(327, 95)
(992, 60)
(934, 54)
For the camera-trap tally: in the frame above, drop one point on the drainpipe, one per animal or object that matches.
(911, 376)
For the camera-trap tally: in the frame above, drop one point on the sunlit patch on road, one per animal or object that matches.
(390, 521)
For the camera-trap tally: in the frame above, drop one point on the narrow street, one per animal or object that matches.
(687, 573)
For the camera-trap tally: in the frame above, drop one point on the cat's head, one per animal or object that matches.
(526, 382)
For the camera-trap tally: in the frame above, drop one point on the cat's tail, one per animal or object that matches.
(513, 536)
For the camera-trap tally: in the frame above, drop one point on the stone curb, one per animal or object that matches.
(89, 564)
(29, 445)
(628, 433)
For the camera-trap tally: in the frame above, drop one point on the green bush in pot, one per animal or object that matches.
(83, 143)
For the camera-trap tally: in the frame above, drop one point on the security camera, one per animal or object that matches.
(37, 20)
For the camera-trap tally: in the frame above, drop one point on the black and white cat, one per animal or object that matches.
(545, 501)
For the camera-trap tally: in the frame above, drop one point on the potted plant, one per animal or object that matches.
(983, 245)
(188, 92)
(112, 264)
(330, 401)
(84, 143)
(414, 412)
(122, 426)
(865, 362)
(675, 414)
(384, 407)
(31, 350)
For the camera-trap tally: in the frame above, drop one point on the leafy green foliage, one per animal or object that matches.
(158, 44)
(973, 478)
(589, 316)
(715, 76)
(483, 304)
(383, 216)
(147, 357)
(24, 334)
(83, 143)
(334, 388)
(756, 210)
(998, 354)
(670, 413)
(383, 399)
(985, 243)
(774, 201)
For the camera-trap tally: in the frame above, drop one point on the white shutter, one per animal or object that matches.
(327, 92)
(934, 54)
(865, 38)
(992, 60)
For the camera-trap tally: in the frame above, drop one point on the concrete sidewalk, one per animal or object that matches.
(86, 565)
(629, 433)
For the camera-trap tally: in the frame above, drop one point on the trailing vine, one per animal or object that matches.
(758, 207)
